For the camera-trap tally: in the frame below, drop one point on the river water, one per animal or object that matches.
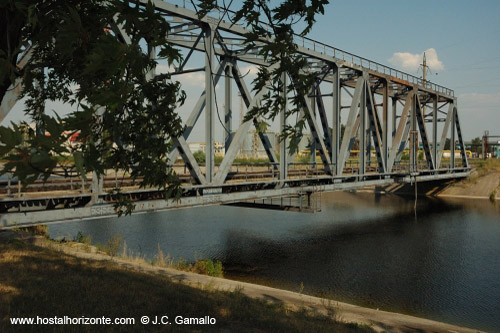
(442, 263)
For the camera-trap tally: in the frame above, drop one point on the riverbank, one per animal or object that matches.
(45, 278)
(483, 183)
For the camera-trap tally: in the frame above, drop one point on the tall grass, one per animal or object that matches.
(160, 259)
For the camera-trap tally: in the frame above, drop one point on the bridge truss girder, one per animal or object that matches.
(340, 74)
(367, 89)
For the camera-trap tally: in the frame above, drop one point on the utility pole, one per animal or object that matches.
(485, 144)
(425, 68)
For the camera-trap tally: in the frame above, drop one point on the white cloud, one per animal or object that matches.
(194, 79)
(163, 69)
(411, 62)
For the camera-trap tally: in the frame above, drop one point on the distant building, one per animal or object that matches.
(200, 146)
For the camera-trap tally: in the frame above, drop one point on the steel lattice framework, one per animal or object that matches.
(387, 111)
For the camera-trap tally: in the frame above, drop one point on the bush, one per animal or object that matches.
(39, 230)
(208, 267)
(113, 245)
(80, 238)
(86, 240)
(304, 158)
(199, 156)
(253, 160)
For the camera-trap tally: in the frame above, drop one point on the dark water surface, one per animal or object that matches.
(361, 248)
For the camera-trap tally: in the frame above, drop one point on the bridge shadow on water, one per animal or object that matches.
(375, 251)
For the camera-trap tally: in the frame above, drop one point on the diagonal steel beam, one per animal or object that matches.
(14, 91)
(195, 114)
(236, 143)
(180, 143)
(444, 134)
(188, 56)
(187, 156)
(245, 94)
(324, 120)
(423, 134)
(350, 128)
(10, 98)
(403, 128)
(404, 141)
(313, 126)
(465, 162)
(375, 127)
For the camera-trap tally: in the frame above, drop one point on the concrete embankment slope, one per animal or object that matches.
(379, 321)
(478, 186)
(482, 184)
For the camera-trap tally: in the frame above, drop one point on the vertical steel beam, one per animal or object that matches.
(228, 114)
(413, 131)
(385, 120)
(209, 105)
(336, 124)
(283, 142)
(362, 128)
(97, 185)
(152, 55)
(394, 107)
(434, 131)
(452, 139)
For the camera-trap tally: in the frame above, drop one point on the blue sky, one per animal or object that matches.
(461, 39)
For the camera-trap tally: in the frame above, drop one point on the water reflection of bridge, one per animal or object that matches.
(385, 110)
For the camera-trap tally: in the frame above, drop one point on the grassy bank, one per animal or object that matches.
(45, 282)
(483, 166)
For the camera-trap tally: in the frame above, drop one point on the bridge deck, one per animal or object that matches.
(62, 206)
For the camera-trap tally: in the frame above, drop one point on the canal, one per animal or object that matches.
(441, 262)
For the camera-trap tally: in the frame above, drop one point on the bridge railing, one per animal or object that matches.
(368, 64)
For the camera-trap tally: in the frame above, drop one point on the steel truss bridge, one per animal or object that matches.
(383, 110)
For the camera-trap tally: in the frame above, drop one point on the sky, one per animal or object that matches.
(460, 38)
